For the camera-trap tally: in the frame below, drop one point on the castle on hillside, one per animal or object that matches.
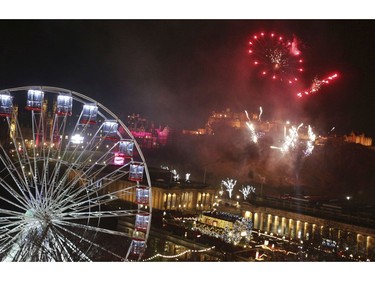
(237, 120)
(359, 139)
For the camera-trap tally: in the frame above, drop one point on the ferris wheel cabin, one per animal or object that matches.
(125, 151)
(142, 221)
(34, 100)
(64, 105)
(89, 114)
(136, 172)
(137, 247)
(142, 195)
(6, 104)
(110, 130)
(126, 148)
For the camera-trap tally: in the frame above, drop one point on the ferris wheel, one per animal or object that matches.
(71, 172)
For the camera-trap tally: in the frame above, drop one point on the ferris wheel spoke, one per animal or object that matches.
(60, 192)
(18, 147)
(64, 242)
(87, 201)
(96, 245)
(63, 192)
(22, 187)
(38, 130)
(77, 191)
(54, 134)
(25, 204)
(13, 227)
(98, 214)
(92, 228)
(72, 195)
(93, 170)
(9, 247)
(55, 246)
(90, 198)
(26, 164)
(82, 206)
(14, 214)
(60, 150)
(90, 149)
(109, 197)
(9, 238)
(15, 175)
(89, 204)
(104, 182)
(40, 244)
(61, 155)
(56, 191)
(66, 198)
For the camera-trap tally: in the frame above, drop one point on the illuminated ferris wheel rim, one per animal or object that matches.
(37, 159)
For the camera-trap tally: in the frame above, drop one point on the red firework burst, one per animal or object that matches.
(317, 84)
(275, 57)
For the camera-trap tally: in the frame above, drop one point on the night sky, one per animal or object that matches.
(176, 72)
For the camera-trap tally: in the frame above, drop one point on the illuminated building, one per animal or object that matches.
(359, 139)
(145, 133)
(228, 118)
(168, 194)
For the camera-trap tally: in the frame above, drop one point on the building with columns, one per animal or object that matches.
(344, 236)
(169, 194)
(190, 197)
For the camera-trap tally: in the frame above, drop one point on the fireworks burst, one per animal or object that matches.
(317, 84)
(291, 139)
(276, 57)
(250, 125)
(310, 142)
(294, 140)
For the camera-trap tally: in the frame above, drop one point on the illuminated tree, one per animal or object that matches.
(246, 190)
(229, 185)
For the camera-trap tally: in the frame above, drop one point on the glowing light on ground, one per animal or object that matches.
(180, 254)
